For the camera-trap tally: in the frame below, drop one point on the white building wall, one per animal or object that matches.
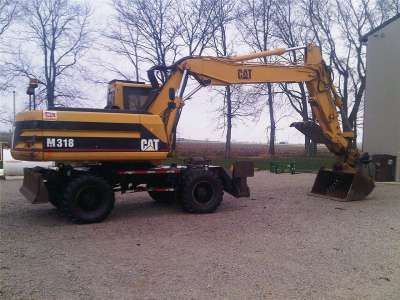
(381, 133)
(12, 167)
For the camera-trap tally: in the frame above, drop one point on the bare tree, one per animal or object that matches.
(291, 31)
(196, 20)
(8, 10)
(144, 33)
(122, 39)
(388, 8)
(338, 27)
(196, 31)
(224, 15)
(354, 21)
(58, 30)
(245, 104)
(255, 24)
(5, 117)
(156, 23)
(8, 13)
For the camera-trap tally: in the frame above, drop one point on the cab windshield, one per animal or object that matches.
(136, 99)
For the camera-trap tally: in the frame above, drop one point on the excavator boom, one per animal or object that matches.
(348, 179)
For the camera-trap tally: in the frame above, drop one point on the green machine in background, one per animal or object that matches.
(282, 167)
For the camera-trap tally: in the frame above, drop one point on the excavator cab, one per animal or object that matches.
(134, 96)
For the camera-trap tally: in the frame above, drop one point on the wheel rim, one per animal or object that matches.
(89, 199)
(203, 192)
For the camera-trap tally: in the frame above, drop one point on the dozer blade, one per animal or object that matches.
(342, 186)
(235, 181)
(33, 187)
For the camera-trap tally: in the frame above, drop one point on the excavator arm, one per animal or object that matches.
(323, 98)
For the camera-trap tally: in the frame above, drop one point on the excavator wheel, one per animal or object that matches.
(55, 190)
(202, 191)
(55, 197)
(88, 199)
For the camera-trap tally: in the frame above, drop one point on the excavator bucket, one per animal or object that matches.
(342, 186)
(337, 185)
(33, 186)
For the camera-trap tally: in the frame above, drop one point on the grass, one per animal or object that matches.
(303, 164)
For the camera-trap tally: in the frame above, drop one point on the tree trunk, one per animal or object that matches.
(228, 122)
(272, 132)
(355, 130)
(173, 143)
(304, 115)
(307, 146)
(313, 147)
(50, 96)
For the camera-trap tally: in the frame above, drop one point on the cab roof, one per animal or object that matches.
(130, 83)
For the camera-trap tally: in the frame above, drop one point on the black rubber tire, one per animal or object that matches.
(202, 191)
(55, 198)
(54, 190)
(163, 197)
(88, 199)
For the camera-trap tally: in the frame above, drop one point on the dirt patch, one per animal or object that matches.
(278, 244)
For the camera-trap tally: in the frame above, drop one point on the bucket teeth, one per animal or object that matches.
(342, 186)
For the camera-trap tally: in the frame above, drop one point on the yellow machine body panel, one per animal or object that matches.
(89, 135)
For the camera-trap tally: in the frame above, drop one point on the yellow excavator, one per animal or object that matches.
(122, 147)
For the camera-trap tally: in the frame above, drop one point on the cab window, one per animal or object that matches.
(110, 98)
(136, 99)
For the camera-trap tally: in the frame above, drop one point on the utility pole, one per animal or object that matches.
(13, 107)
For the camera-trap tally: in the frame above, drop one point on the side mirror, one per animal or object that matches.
(171, 94)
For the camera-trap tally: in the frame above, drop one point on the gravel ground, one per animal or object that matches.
(279, 244)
